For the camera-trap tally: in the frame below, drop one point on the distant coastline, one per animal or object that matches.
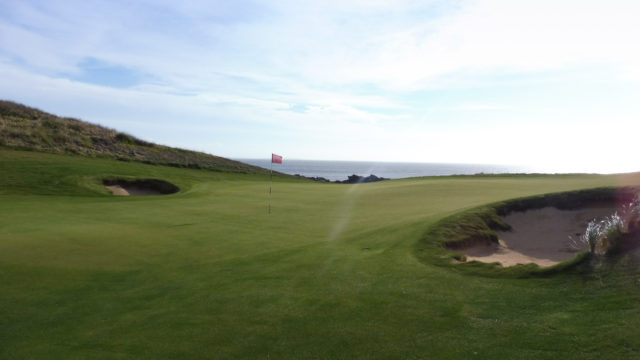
(341, 170)
(351, 179)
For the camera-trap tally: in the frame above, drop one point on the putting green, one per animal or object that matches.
(330, 273)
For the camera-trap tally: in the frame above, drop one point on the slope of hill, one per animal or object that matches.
(26, 128)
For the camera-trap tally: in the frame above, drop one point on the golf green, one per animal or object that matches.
(330, 274)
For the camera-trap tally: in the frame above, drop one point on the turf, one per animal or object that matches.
(330, 273)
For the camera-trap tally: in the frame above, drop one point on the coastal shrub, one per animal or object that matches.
(604, 237)
(131, 140)
(592, 235)
(612, 231)
(75, 127)
(631, 215)
(124, 138)
(48, 123)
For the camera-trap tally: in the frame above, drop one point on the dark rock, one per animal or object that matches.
(357, 179)
(353, 179)
(314, 178)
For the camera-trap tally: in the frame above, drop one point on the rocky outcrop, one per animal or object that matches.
(353, 179)
(313, 178)
(357, 179)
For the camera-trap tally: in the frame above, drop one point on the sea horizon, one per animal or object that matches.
(340, 169)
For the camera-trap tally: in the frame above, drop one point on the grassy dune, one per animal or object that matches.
(26, 128)
(331, 273)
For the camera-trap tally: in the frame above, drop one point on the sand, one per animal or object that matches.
(540, 236)
(131, 190)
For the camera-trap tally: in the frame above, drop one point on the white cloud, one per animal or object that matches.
(417, 80)
(397, 46)
(492, 37)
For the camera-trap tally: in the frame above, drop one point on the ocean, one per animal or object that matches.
(340, 170)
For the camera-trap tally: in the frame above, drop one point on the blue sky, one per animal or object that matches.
(553, 85)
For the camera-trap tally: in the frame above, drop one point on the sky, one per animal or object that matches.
(553, 85)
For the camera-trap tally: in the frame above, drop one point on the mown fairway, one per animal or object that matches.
(207, 273)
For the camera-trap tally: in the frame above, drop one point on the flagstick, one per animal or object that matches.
(270, 185)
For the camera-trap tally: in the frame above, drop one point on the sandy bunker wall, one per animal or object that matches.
(138, 187)
(569, 200)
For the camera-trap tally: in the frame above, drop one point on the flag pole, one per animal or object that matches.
(278, 160)
(270, 183)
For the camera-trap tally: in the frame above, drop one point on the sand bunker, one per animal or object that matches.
(539, 236)
(131, 190)
(140, 187)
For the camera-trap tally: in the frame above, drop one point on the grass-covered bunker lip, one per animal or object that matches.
(139, 187)
(444, 241)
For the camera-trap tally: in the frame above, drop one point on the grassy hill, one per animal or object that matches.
(329, 274)
(26, 128)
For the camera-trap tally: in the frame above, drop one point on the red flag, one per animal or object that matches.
(276, 159)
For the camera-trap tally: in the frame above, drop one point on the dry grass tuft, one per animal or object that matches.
(26, 128)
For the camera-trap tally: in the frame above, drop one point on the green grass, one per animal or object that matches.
(330, 274)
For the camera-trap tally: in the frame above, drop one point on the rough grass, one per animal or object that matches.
(26, 128)
(331, 273)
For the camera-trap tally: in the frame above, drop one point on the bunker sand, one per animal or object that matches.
(131, 190)
(540, 236)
